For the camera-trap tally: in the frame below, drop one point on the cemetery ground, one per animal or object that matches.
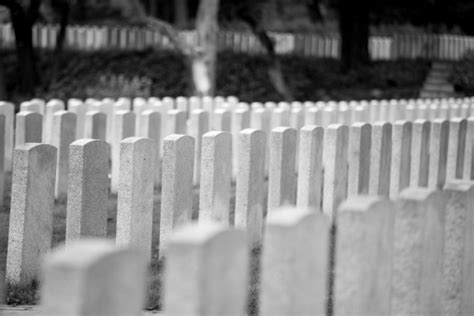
(25, 296)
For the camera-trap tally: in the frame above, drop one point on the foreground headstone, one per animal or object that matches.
(93, 277)
(206, 271)
(88, 186)
(310, 168)
(249, 193)
(380, 160)
(135, 194)
(418, 252)
(282, 177)
(294, 270)
(216, 176)
(177, 185)
(458, 281)
(335, 168)
(64, 133)
(28, 128)
(31, 213)
(363, 257)
(8, 109)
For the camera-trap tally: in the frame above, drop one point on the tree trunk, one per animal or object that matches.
(181, 13)
(354, 32)
(24, 50)
(205, 56)
(61, 37)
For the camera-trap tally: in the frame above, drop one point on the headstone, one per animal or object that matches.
(335, 168)
(216, 177)
(282, 176)
(314, 117)
(8, 109)
(88, 186)
(31, 213)
(380, 160)
(363, 257)
(359, 158)
(151, 128)
(468, 169)
(458, 282)
(176, 122)
(177, 185)
(28, 128)
(438, 153)
(222, 120)
(124, 127)
(420, 151)
(456, 148)
(63, 134)
(199, 125)
(280, 117)
(294, 271)
(418, 252)
(93, 277)
(310, 168)
(52, 107)
(80, 109)
(135, 194)
(240, 121)
(401, 157)
(249, 194)
(206, 271)
(95, 125)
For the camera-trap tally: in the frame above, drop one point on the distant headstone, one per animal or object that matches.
(28, 128)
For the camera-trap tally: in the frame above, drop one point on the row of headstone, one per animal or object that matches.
(335, 163)
(409, 256)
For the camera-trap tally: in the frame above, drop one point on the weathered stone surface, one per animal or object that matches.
(31, 212)
(363, 257)
(294, 270)
(88, 187)
(177, 185)
(206, 271)
(151, 128)
(199, 125)
(93, 277)
(418, 252)
(216, 177)
(458, 282)
(249, 194)
(135, 194)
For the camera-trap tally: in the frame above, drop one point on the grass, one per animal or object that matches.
(29, 295)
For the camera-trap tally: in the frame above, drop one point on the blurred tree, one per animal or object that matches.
(23, 15)
(251, 12)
